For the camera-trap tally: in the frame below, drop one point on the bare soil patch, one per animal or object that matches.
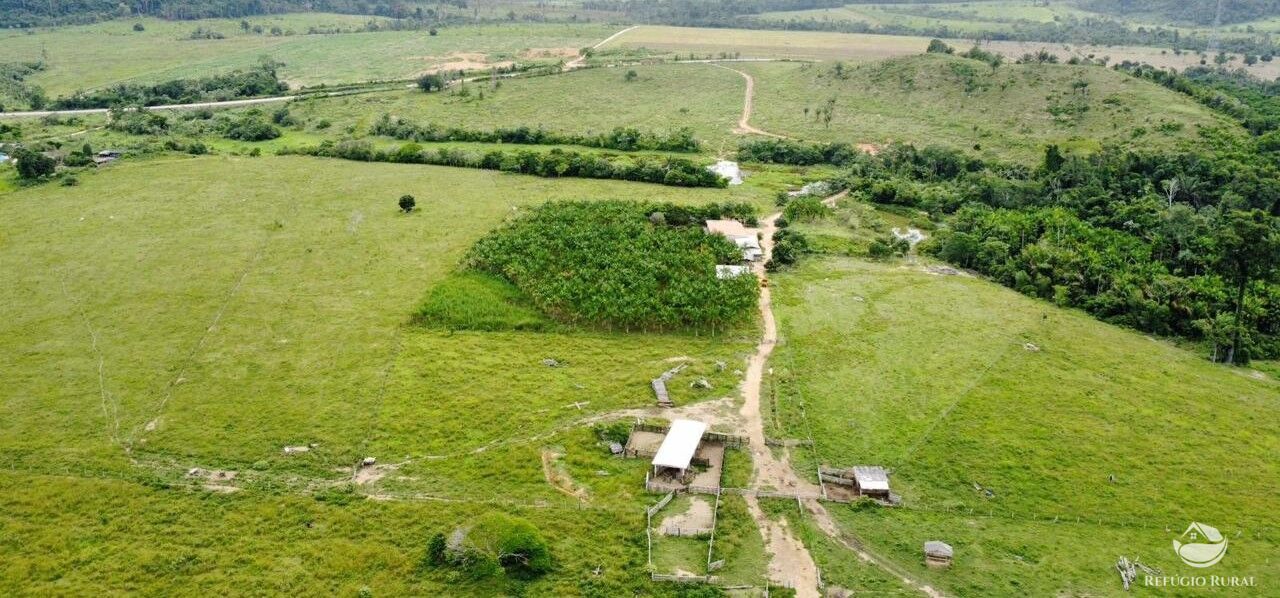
(698, 516)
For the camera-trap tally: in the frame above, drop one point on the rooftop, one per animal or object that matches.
(871, 477)
(680, 444)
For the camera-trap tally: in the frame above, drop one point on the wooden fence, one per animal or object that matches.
(729, 440)
(788, 442)
(687, 532)
(693, 489)
(707, 579)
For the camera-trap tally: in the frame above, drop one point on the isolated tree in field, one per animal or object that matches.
(631, 76)
(407, 203)
(432, 32)
(34, 165)
(1249, 251)
(431, 82)
(139, 27)
(516, 544)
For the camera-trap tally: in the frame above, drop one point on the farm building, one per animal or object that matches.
(678, 447)
(747, 239)
(938, 554)
(860, 480)
(871, 481)
(731, 271)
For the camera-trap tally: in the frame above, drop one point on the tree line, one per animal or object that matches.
(627, 139)
(663, 170)
(261, 80)
(1180, 244)
(28, 13)
(1253, 102)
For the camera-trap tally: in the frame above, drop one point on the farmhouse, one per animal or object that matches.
(678, 447)
(747, 239)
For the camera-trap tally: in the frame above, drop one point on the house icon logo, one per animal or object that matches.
(1200, 546)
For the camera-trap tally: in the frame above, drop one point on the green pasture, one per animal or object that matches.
(92, 56)
(207, 312)
(1040, 443)
(1010, 112)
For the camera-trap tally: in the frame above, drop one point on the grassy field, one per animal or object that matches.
(769, 44)
(858, 47)
(92, 56)
(588, 100)
(1118, 443)
(1007, 112)
(268, 304)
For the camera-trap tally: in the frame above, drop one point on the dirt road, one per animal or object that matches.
(577, 62)
(790, 563)
(748, 105)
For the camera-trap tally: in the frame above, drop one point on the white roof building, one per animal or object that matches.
(747, 239)
(871, 479)
(680, 444)
(731, 271)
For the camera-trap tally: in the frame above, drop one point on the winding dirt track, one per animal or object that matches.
(790, 563)
(748, 105)
(577, 62)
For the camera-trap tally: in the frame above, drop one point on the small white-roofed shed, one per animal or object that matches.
(679, 446)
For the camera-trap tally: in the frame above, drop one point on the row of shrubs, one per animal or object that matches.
(259, 81)
(678, 172)
(627, 139)
(251, 125)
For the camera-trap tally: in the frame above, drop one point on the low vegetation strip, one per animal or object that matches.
(621, 265)
(627, 139)
(256, 82)
(678, 172)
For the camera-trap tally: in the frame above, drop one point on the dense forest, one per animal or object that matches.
(1183, 244)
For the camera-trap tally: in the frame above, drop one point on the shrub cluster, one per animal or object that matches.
(497, 542)
(618, 265)
(679, 172)
(625, 139)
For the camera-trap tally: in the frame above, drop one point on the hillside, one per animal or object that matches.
(1040, 443)
(1007, 112)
